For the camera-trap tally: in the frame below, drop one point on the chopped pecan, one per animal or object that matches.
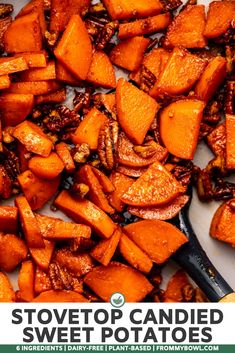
(147, 150)
(5, 184)
(5, 10)
(60, 118)
(147, 79)
(229, 97)
(7, 135)
(183, 173)
(170, 5)
(205, 130)
(226, 38)
(223, 190)
(107, 144)
(60, 277)
(80, 153)
(95, 24)
(47, 5)
(217, 166)
(188, 293)
(51, 38)
(230, 56)
(4, 24)
(97, 9)
(82, 100)
(204, 186)
(79, 190)
(153, 42)
(105, 35)
(11, 164)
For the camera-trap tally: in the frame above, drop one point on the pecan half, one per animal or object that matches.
(147, 150)
(79, 190)
(107, 144)
(105, 35)
(170, 5)
(4, 24)
(5, 10)
(61, 118)
(229, 97)
(183, 173)
(82, 100)
(60, 277)
(147, 79)
(80, 153)
(11, 164)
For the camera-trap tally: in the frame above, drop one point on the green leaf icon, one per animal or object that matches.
(118, 300)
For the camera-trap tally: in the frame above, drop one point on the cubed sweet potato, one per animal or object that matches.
(129, 53)
(60, 296)
(5, 82)
(12, 252)
(8, 219)
(187, 28)
(64, 75)
(117, 277)
(121, 184)
(132, 105)
(217, 140)
(42, 257)
(34, 59)
(54, 97)
(42, 282)
(230, 141)
(77, 263)
(134, 172)
(7, 294)
(10, 65)
(39, 73)
(174, 290)
(34, 87)
(26, 281)
(104, 181)
(158, 239)
(35, 6)
(101, 72)
(46, 167)
(180, 125)
(63, 152)
(108, 101)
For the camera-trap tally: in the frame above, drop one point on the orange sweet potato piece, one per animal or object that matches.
(158, 239)
(7, 294)
(101, 72)
(180, 74)
(219, 18)
(5, 184)
(74, 54)
(230, 141)
(55, 229)
(156, 187)
(10, 65)
(33, 138)
(211, 78)
(35, 6)
(132, 105)
(24, 34)
(180, 125)
(54, 97)
(87, 212)
(64, 75)
(134, 172)
(63, 152)
(108, 101)
(127, 9)
(104, 181)
(12, 252)
(8, 219)
(34, 59)
(42, 257)
(77, 263)
(105, 249)
(162, 213)
(89, 129)
(46, 167)
(217, 140)
(117, 277)
(146, 26)
(35, 88)
(26, 281)
(15, 107)
(128, 157)
(5, 82)
(129, 53)
(36, 190)
(29, 224)
(60, 296)
(96, 195)
(174, 290)
(121, 184)
(39, 73)
(42, 282)
(134, 255)
(187, 28)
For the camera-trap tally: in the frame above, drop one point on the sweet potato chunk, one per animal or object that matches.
(187, 28)
(101, 72)
(8, 219)
(35, 88)
(162, 213)
(158, 239)
(146, 26)
(42, 282)
(12, 65)
(34, 59)
(156, 187)
(105, 249)
(24, 34)
(180, 126)
(64, 153)
(61, 296)
(26, 281)
(180, 74)
(33, 138)
(116, 277)
(121, 184)
(7, 294)
(64, 75)
(42, 257)
(89, 129)
(219, 18)
(54, 97)
(230, 141)
(134, 172)
(211, 79)
(15, 107)
(86, 212)
(136, 110)
(5, 82)
(39, 73)
(129, 53)
(29, 223)
(104, 181)
(74, 50)
(77, 263)
(127, 9)
(134, 255)
(12, 252)
(35, 6)
(46, 167)
(174, 290)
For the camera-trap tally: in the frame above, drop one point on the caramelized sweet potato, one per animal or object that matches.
(46, 167)
(77, 263)
(162, 213)
(101, 72)
(146, 26)
(187, 28)
(145, 190)
(35, 6)
(8, 219)
(121, 184)
(86, 212)
(158, 239)
(180, 125)
(109, 102)
(15, 107)
(134, 172)
(105, 249)
(39, 73)
(63, 152)
(29, 224)
(42, 282)
(220, 16)
(127, 9)
(26, 281)
(60, 296)
(180, 74)
(132, 105)
(34, 59)
(5, 82)
(211, 79)
(89, 129)
(5, 184)
(12, 252)
(116, 277)
(129, 53)
(33, 138)
(35, 88)
(74, 50)
(23, 156)
(24, 34)
(134, 255)
(36, 190)
(54, 97)
(7, 294)
(104, 181)
(230, 141)
(64, 75)
(174, 290)
(42, 257)
(10, 65)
